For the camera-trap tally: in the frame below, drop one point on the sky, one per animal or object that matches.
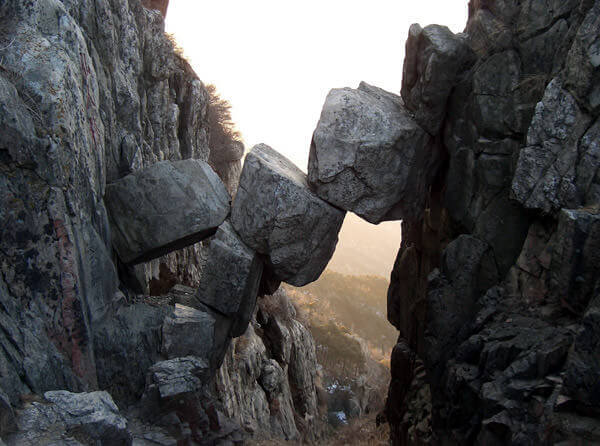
(276, 60)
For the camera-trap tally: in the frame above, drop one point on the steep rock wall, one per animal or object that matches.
(91, 91)
(495, 288)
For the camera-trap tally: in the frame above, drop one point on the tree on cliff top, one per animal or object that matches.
(221, 126)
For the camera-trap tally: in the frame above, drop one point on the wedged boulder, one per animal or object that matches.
(164, 207)
(65, 417)
(193, 332)
(434, 58)
(551, 168)
(369, 156)
(277, 214)
(230, 279)
(178, 376)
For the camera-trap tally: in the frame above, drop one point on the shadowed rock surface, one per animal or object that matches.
(276, 214)
(230, 278)
(495, 287)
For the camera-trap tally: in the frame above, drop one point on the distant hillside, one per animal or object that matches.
(356, 302)
(365, 249)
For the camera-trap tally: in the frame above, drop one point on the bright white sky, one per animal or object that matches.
(276, 60)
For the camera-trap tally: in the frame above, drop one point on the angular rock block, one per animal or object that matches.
(369, 156)
(434, 58)
(165, 207)
(193, 332)
(551, 172)
(93, 416)
(230, 278)
(277, 214)
(179, 376)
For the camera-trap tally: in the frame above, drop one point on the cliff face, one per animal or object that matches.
(91, 91)
(268, 382)
(495, 288)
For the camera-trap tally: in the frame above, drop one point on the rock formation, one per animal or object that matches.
(369, 156)
(277, 214)
(495, 286)
(490, 156)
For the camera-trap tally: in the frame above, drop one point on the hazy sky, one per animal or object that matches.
(276, 60)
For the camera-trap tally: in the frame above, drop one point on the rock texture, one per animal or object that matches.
(369, 156)
(231, 278)
(277, 214)
(164, 207)
(71, 418)
(495, 286)
(268, 381)
(434, 59)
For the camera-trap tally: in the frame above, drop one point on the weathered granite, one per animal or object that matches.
(277, 214)
(164, 207)
(231, 276)
(369, 156)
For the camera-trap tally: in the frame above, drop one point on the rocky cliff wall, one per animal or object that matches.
(91, 91)
(268, 382)
(496, 286)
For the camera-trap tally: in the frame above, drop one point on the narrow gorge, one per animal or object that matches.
(141, 304)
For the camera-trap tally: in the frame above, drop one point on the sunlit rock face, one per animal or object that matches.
(277, 214)
(495, 287)
(161, 5)
(369, 156)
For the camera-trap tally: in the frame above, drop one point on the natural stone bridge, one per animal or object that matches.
(369, 155)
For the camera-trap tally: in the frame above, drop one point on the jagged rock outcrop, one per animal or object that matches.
(369, 156)
(434, 58)
(495, 287)
(268, 380)
(164, 207)
(91, 92)
(71, 418)
(276, 214)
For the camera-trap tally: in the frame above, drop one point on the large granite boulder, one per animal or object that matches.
(369, 156)
(434, 58)
(165, 207)
(277, 214)
(230, 278)
(66, 418)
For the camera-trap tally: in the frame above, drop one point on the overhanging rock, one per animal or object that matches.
(369, 156)
(277, 214)
(165, 207)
